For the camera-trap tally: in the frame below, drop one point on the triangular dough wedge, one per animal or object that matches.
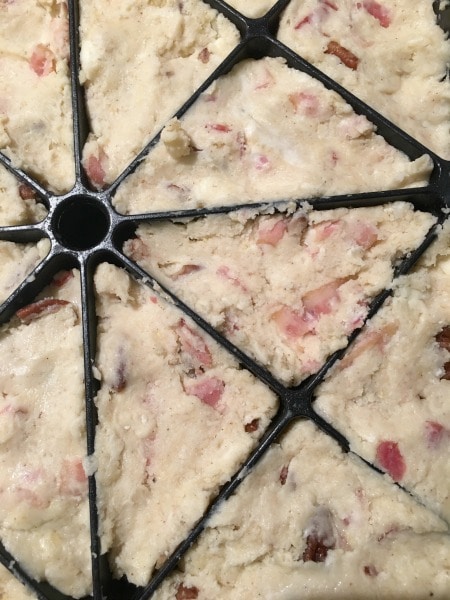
(140, 62)
(311, 520)
(389, 395)
(44, 518)
(35, 107)
(177, 416)
(285, 288)
(266, 132)
(390, 53)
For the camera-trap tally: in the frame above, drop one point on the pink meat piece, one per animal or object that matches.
(323, 230)
(208, 389)
(95, 169)
(194, 345)
(305, 102)
(378, 11)
(364, 234)
(377, 338)
(220, 127)
(42, 60)
(226, 273)
(435, 434)
(269, 233)
(39, 308)
(291, 322)
(390, 458)
(321, 300)
(73, 479)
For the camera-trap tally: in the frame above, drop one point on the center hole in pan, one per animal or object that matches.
(81, 223)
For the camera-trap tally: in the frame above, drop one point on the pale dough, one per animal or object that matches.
(229, 148)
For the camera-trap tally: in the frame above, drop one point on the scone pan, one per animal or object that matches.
(108, 230)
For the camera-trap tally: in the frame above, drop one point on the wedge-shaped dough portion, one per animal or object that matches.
(389, 395)
(286, 288)
(140, 62)
(291, 526)
(44, 519)
(391, 54)
(177, 417)
(35, 107)
(265, 132)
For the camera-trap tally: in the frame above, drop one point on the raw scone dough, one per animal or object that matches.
(18, 204)
(293, 531)
(18, 260)
(176, 419)
(265, 132)
(140, 62)
(44, 520)
(389, 395)
(399, 63)
(11, 589)
(35, 107)
(286, 289)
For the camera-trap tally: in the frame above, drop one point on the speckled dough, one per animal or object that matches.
(230, 149)
(35, 109)
(286, 289)
(140, 62)
(389, 396)
(44, 519)
(400, 58)
(184, 398)
(293, 531)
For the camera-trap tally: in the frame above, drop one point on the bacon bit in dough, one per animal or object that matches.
(204, 55)
(42, 61)
(226, 273)
(364, 234)
(305, 102)
(370, 571)
(378, 11)
(319, 536)
(137, 249)
(271, 234)
(262, 163)
(252, 426)
(390, 459)
(446, 374)
(209, 390)
(242, 143)
(291, 322)
(73, 479)
(443, 338)
(185, 270)
(321, 300)
(435, 433)
(194, 345)
(343, 54)
(120, 378)
(221, 127)
(62, 278)
(284, 474)
(40, 308)
(26, 192)
(372, 339)
(318, 15)
(186, 593)
(95, 168)
(323, 230)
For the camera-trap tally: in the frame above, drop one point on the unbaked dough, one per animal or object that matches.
(35, 106)
(230, 149)
(286, 288)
